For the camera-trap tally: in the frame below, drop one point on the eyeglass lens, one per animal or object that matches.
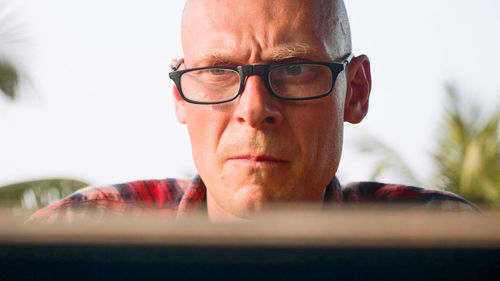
(288, 81)
(210, 85)
(300, 80)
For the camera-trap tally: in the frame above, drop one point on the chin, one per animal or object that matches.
(251, 197)
(256, 197)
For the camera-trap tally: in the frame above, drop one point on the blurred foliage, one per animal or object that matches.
(389, 160)
(8, 79)
(25, 196)
(34, 195)
(467, 157)
(12, 51)
(468, 153)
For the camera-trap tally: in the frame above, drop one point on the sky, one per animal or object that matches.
(98, 106)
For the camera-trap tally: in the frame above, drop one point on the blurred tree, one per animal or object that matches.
(389, 160)
(11, 49)
(33, 195)
(467, 156)
(8, 79)
(468, 153)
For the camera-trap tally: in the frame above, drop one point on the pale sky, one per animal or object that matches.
(99, 107)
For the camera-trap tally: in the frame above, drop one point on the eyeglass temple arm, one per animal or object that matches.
(177, 64)
(348, 59)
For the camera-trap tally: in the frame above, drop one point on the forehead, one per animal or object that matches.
(254, 31)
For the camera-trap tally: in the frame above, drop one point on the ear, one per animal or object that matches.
(180, 104)
(359, 84)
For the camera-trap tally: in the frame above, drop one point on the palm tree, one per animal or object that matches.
(32, 195)
(10, 39)
(389, 160)
(468, 153)
(8, 79)
(467, 156)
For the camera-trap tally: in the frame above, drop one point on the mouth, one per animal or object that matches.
(257, 160)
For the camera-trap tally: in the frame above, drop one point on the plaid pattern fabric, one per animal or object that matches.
(380, 193)
(175, 199)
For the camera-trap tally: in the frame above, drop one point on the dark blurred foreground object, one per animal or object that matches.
(32, 195)
(338, 245)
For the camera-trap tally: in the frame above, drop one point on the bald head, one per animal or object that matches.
(257, 148)
(326, 19)
(333, 20)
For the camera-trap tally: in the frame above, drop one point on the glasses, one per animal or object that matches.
(291, 81)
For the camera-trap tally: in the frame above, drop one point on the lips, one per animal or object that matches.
(257, 159)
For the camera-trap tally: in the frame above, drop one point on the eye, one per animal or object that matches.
(295, 69)
(218, 71)
(214, 75)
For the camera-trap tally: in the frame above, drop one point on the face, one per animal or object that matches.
(258, 149)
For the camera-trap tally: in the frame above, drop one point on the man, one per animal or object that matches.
(264, 89)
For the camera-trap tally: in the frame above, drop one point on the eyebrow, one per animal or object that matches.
(219, 58)
(293, 50)
(280, 53)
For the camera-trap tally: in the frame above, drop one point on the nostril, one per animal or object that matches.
(270, 119)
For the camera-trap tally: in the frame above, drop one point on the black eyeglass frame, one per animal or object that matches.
(261, 70)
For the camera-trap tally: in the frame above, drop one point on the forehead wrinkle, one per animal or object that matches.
(272, 40)
(279, 53)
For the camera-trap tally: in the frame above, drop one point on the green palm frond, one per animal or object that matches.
(36, 194)
(389, 160)
(467, 156)
(9, 79)
(468, 153)
(11, 52)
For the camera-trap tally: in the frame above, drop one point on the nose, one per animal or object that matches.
(256, 107)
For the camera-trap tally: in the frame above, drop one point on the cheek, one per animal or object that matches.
(320, 137)
(205, 127)
(198, 128)
(333, 127)
(335, 134)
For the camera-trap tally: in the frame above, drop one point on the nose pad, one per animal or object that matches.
(257, 107)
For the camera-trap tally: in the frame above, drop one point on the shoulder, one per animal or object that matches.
(376, 192)
(136, 197)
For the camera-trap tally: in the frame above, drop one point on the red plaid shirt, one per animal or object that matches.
(174, 199)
